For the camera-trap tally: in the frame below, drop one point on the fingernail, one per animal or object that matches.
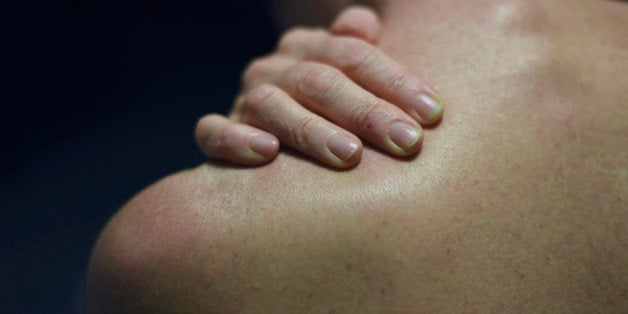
(429, 106)
(342, 146)
(404, 135)
(264, 145)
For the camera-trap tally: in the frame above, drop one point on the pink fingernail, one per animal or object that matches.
(342, 146)
(264, 145)
(428, 106)
(404, 135)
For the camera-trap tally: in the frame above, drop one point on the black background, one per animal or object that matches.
(100, 99)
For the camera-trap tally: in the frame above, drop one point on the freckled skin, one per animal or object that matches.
(516, 202)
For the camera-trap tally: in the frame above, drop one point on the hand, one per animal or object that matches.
(318, 93)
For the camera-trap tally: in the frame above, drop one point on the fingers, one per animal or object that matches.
(370, 68)
(327, 91)
(266, 69)
(357, 21)
(271, 108)
(316, 89)
(221, 138)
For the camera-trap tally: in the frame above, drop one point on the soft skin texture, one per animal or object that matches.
(316, 92)
(517, 202)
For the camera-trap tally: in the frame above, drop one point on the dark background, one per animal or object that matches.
(100, 100)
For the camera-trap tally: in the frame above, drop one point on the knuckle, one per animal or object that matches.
(397, 82)
(301, 135)
(315, 80)
(291, 37)
(260, 99)
(369, 114)
(256, 68)
(355, 54)
(205, 125)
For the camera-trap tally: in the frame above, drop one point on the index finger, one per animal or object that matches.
(376, 72)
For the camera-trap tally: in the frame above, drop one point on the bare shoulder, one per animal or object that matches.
(517, 201)
(293, 236)
(220, 238)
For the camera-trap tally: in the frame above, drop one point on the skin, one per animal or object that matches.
(526, 213)
(320, 91)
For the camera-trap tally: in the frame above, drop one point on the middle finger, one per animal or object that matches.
(328, 92)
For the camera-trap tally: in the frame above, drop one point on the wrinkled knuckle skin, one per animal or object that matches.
(256, 68)
(355, 54)
(260, 100)
(398, 82)
(302, 134)
(315, 80)
(366, 118)
(291, 38)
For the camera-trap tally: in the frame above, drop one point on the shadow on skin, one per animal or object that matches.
(301, 157)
